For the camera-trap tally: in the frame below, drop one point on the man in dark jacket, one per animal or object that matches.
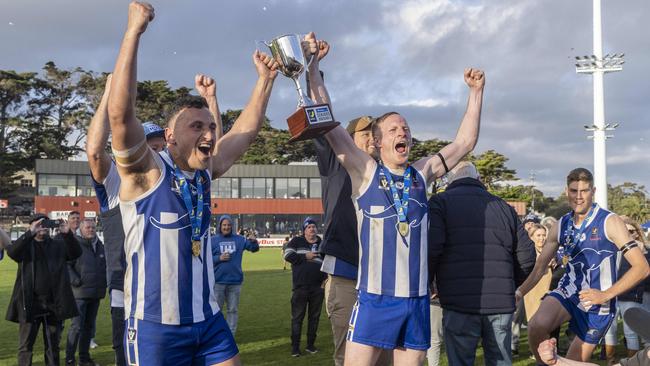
(42, 293)
(88, 278)
(303, 254)
(479, 252)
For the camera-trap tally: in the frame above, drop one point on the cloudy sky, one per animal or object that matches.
(403, 55)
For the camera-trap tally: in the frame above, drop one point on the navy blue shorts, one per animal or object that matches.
(589, 327)
(391, 322)
(204, 343)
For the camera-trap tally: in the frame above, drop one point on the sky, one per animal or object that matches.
(406, 56)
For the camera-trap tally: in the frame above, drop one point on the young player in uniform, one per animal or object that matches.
(390, 199)
(172, 313)
(106, 182)
(586, 295)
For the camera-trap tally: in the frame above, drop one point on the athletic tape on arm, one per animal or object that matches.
(123, 157)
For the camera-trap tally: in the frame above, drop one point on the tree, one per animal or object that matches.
(14, 90)
(58, 115)
(421, 149)
(492, 168)
(629, 199)
(271, 145)
(155, 100)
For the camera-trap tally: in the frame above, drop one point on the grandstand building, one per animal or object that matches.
(272, 199)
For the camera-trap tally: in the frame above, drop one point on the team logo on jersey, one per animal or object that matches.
(383, 185)
(594, 234)
(132, 333)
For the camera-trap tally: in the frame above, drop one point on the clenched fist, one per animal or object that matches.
(266, 66)
(205, 86)
(140, 14)
(474, 78)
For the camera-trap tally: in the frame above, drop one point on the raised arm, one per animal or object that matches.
(541, 264)
(207, 88)
(617, 232)
(233, 145)
(467, 134)
(97, 138)
(357, 163)
(132, 154)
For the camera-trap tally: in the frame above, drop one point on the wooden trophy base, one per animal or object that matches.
(309, 122)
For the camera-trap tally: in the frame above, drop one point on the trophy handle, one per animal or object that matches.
(258, 43)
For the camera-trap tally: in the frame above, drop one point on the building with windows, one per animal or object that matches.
(272, 199)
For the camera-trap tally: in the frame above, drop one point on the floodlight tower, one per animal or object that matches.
(597, 65)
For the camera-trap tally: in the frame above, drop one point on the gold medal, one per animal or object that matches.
(403, 228)
(565, 259)
(196, 247)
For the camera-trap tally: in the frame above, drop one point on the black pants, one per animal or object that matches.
(27, 333)
(81, 330)
(302, 298)
(117, 318)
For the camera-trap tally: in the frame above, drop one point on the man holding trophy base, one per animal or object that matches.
(392, 311)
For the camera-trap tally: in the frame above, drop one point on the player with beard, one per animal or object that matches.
(392, 311)
(586, 294)
(170, 305)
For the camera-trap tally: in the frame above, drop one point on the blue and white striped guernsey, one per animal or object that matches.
(592, 263)
(164, 282)
(390, 264)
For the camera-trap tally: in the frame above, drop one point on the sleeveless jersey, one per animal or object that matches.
(390, 264)
(592, 262)
(107, 192)
(164, 281)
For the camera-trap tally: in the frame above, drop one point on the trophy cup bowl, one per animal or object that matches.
(311, 119)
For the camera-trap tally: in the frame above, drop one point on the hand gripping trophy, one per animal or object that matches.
(311, 119)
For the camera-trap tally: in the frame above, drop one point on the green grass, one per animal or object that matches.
(264, 320)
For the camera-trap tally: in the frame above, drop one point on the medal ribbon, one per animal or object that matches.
(402, 205)
(195, 215)
(573, 236)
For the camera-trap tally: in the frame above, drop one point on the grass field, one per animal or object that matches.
(264, 320)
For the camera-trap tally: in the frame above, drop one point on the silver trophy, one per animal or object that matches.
(311, 119)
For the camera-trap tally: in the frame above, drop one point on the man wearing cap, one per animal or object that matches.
(638, 320)
(303, 254)
(529, 221)
(106, 182)
(42, 294)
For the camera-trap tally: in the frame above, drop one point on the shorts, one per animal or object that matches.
(391, 322)
(204, 343)
(589, 327)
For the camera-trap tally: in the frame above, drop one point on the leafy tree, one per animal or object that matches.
(421, 149)
(58, 114)
(491, 165)
(558, 206)
(271, 145)
(14, 90)
(629, 199)
(155, 99)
